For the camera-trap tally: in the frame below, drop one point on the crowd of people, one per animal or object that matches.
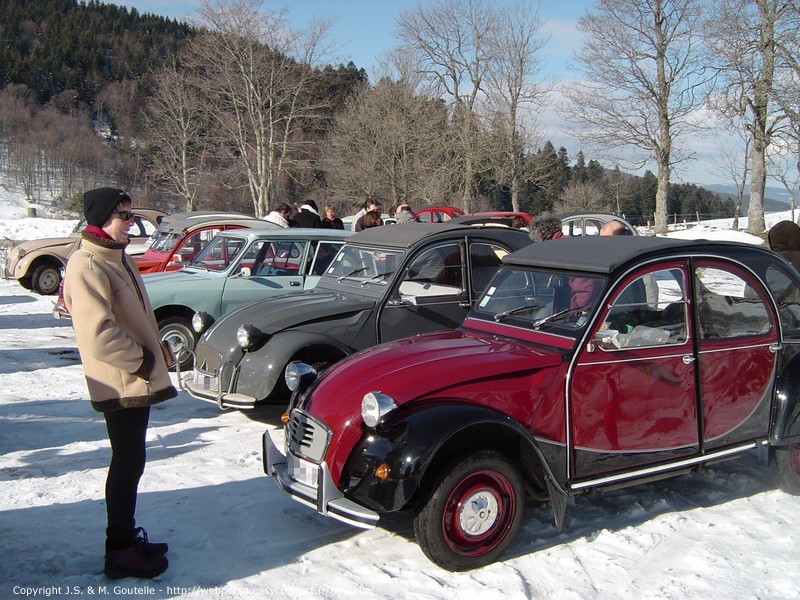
(307, 214)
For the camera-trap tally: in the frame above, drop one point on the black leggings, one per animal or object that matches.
(127, 429)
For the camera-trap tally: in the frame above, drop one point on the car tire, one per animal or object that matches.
(45, 280)
(179, 333)
(472, 512)
(784, 462)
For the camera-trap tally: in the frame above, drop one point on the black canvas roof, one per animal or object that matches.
(409, 234)
(604, 254)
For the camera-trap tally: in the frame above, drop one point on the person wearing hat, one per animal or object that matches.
(125, 367)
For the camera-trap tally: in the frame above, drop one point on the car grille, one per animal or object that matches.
(306, 437)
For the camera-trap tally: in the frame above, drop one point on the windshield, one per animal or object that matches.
(540, 299)
(218, 254)
(166, 241)
(364, 265)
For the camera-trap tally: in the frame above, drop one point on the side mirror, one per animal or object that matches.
(245, 272)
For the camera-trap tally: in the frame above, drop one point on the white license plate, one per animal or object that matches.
(205, 382)
(302, 471)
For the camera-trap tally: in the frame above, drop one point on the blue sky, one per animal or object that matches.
(363, 30)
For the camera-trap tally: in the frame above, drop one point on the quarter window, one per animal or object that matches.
(727, 306)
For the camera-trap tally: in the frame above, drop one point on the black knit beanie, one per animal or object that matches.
(98, 204)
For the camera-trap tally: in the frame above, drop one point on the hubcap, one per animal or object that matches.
(478, 513)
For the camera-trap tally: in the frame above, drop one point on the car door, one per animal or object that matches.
(737, 352)
(431, 293)
(632, 397)
(437, 286)
(267, 268)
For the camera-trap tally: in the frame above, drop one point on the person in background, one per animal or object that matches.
(331, 221)
(125, 366)
(403, 214)
(372, 218)
(644, 290)
(519, 223)
(369, 205)
(784, 238)
(545, 227)
(308, 216)
(281, 215)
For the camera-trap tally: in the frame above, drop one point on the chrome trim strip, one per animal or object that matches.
(662, 468)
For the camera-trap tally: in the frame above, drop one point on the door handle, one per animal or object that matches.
(294, 283)
(687, 359)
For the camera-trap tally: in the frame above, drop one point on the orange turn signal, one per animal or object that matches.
(382, 471)
(285, 417)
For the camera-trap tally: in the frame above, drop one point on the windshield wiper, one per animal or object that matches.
(351, 273)
(562, 315)
(519, 309)
(377, 278)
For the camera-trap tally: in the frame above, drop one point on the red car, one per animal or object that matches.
(436, 214)
(181, 236)
(567, 377)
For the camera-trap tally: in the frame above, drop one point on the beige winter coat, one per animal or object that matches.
(115, 328)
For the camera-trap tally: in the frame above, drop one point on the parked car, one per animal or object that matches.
(37, 264)
(385, 283)
(436, 214)
(505, 218)
(537, 395)
(183, 235)
(579, 224)
(237, 267)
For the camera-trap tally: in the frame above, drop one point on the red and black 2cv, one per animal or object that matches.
(587, 364)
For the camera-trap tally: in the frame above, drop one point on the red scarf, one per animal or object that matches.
(97, 232)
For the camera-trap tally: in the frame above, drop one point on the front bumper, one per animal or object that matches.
(206, 386)
(312, 485)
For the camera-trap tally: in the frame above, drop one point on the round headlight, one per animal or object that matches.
(201, 321)
(298, 374)
(375, 407)
(247, 336)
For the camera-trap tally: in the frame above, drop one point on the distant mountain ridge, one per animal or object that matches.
(775, 199)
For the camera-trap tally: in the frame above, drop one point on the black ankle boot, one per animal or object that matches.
(128, 562)
(143, 546)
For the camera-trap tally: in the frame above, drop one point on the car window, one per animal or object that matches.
(194, 243)
(787, 296)
(485, 260)
(651, 310)
(370, 265)
(218, 254)
(437, 271)
(141, 227)
(322, 256)
(166, 241)
(279, 258)
(727, 306)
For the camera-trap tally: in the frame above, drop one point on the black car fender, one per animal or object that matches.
(261, 371)
(418, 443)
(786, 412)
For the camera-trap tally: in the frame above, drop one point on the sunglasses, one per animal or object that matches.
(125, 215)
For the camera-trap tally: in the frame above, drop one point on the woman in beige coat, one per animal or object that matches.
(124, 367)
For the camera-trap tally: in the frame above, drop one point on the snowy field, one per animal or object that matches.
(724, 533)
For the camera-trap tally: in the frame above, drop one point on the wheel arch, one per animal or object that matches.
(436, 434)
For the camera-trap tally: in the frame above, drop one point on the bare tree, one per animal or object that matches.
(642, 82)
(259, 77)
(583, 196)
(453, 48)
(389, 144)
(176, 124)
(746, 37)
(515, 89)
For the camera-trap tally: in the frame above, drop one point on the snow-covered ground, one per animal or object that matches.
(723, 533)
